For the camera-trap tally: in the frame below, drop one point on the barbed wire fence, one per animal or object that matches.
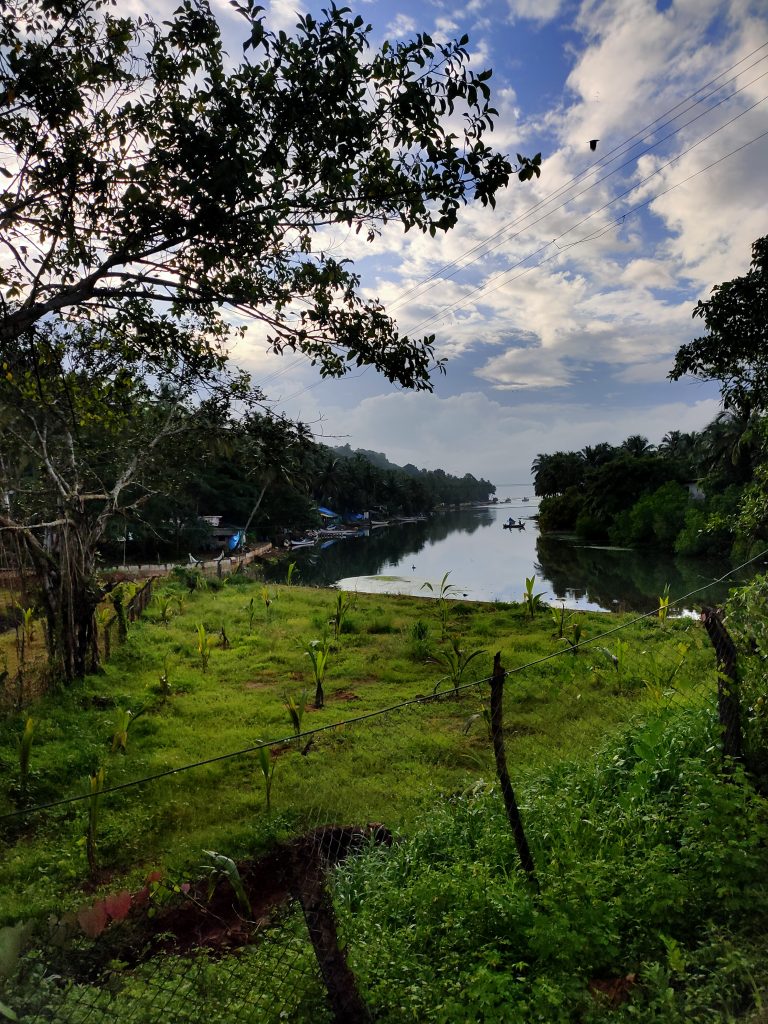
(260, 940)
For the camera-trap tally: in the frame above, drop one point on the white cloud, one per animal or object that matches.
(401, 26)
(471, 433)
(535, 10)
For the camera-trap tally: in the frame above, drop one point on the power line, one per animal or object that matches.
(380, 711)
(482, 290)
(604, 161)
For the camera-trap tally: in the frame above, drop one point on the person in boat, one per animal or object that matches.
(510, 522)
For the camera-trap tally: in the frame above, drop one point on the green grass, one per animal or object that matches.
(419, 770)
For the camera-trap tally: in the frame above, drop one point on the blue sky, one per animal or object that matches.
(571, 346)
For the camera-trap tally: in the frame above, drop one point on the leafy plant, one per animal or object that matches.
(96, 787)
(290, 573)
(25, 632)
(318, 652)
(484, 714)
(664, 605)
(265, 597)
(250, 611)
(120, 735)
(455, 660)
(343, 602)
(164, 680)
(219, 866)
(531, 601)
(295, 709)
(661, 671)
(574, 639)
(267, 765)
(25, 752)
(164, 604)
(559, 620)
(204, 646)
(444, 591)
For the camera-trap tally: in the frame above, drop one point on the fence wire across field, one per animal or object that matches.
(240, 941)
(261, 938)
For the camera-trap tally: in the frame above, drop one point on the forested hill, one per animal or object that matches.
(449, 488)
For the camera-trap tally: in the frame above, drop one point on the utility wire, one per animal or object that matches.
(432, 698)
(577, 195)
(481, 290)
(603, 162)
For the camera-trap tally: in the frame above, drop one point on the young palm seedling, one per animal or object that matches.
(25, 752)
(97, 785)
(164, 604)
(267, 767)
(531, 601)
(318, 652)
(290, 573)
(664, 605)
(120, 735)
(574, 639)
(221, 867)
(24, 632)
(295, 709)
(343, 602)
(267, 601)
(444, 591)
(204, 646)
(455, 660)
(250, 611)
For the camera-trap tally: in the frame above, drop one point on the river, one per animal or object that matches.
(489, 563)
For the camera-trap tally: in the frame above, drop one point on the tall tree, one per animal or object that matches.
(735, 349)
(92, 427)
(142, 171)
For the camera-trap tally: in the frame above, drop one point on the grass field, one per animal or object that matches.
(210, 673)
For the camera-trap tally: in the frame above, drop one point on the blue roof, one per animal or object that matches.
(325, 511)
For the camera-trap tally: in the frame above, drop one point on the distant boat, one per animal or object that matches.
(513, 526)
(525, 499)
(293, 544)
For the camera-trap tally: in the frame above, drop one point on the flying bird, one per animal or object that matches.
(593, 144)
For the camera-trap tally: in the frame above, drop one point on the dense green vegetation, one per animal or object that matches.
(650, 860)
(696, 493)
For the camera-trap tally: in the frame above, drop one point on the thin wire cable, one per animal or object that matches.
(603, 162)
(479, 291)
(380, 711)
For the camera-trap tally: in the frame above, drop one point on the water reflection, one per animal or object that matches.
(488, 563)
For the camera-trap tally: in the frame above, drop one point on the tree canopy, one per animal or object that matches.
(144, 169)
(735, 349)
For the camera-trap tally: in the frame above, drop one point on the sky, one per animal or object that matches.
(561, 310)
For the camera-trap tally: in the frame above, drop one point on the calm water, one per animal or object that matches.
(489, 563)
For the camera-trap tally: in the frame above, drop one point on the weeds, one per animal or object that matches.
(664, 605)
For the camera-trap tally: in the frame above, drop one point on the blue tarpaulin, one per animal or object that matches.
(235, 540)
(326, 512)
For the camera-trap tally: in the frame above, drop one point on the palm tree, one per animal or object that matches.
(637, 445)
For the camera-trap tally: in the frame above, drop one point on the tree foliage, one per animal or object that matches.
(143, 169)
(735, 349)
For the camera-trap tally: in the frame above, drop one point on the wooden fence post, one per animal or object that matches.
(728, 702)
(309, 886)
(510, 803)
